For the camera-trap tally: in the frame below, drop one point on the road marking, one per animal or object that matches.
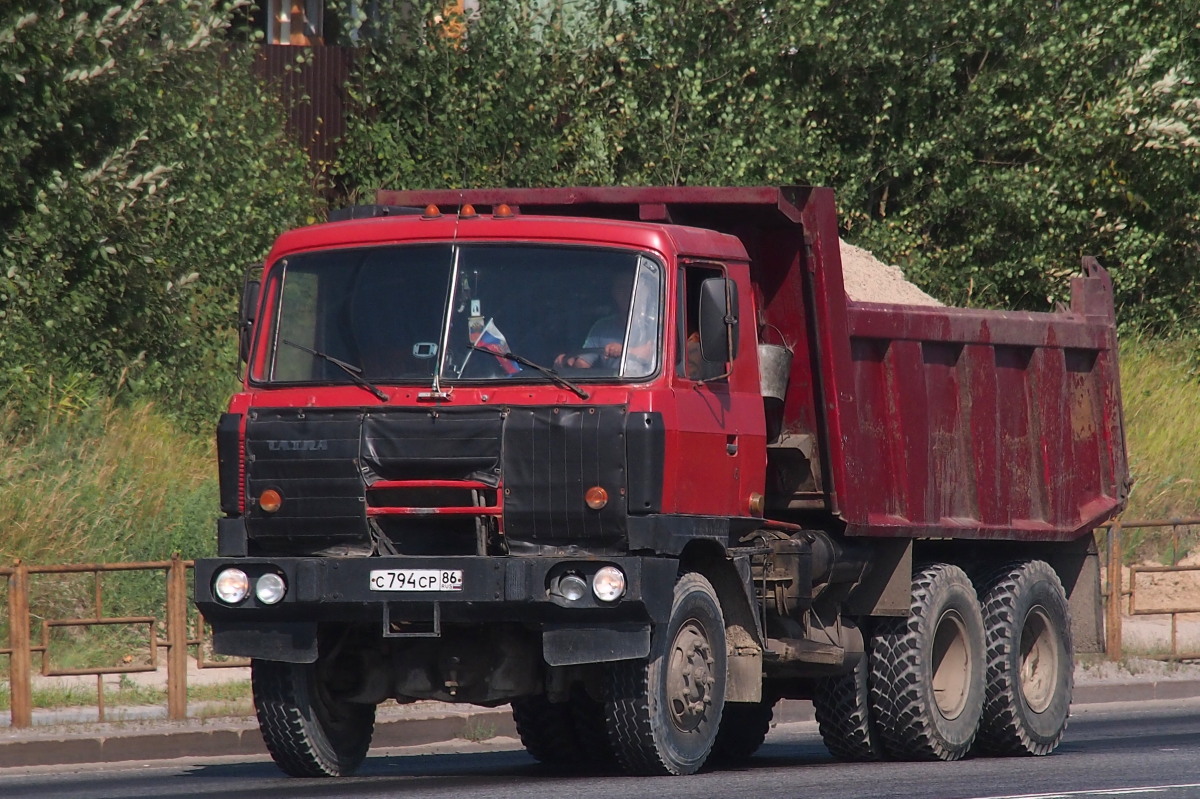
(1095, 792)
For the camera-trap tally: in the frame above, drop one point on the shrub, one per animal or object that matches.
(142, 167)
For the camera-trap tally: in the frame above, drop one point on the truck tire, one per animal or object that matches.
(1030, 661)
(663, 712)
(927, 670)
(843, 709)
(546, 730)
(591, 728)
(308, 731)
(563, 733)
(744, 727)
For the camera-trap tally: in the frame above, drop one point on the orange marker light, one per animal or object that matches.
(502, 211)
(270, 500)
(468, 212)
(596, 497)
(432, 212)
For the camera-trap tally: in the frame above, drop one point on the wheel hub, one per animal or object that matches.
(951, 666)
(1039, 661)
(690, 677)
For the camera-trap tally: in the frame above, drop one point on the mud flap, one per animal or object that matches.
(572, 646)
(289, 642)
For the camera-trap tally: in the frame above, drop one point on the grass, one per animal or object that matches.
(477, 731)
(233, 696)
(1161, 398)
(99, 484)
(106, 483)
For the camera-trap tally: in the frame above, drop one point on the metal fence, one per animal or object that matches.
(1117, 592)
(170, 633)
(173, 633)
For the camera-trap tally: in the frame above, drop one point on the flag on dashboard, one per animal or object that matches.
(492, 340)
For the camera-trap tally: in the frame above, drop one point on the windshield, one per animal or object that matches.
(466, 313)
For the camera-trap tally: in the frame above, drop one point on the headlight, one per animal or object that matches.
(609, 584)
(572, 587)
(270, 588)
(231, 586)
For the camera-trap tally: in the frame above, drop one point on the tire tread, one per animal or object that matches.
(1002, 731)
(291, 730)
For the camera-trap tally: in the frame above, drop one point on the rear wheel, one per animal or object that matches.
(663, 712)
(927, 670)
(1030, 661)
(842, 706)
(307, 729)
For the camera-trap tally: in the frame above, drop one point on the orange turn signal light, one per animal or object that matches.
(270, 500)
(596, 497)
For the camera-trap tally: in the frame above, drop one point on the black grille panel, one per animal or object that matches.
(551, 457)
(534, 462)
(311, 459)
(441, 445)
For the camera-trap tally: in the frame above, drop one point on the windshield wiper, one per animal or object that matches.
(550, 373)
(355, 372)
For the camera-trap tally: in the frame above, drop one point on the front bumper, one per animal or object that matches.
(325, 590)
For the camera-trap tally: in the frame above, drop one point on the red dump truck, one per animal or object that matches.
(629, 460)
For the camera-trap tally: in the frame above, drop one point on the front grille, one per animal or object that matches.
(437, 517)
(443, 481)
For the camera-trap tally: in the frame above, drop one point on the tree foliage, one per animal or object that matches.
(142, 167)
(984, 146)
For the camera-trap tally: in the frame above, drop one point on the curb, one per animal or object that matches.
(170, 740)
(240, 737)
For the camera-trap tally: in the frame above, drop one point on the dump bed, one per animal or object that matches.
(913, 420)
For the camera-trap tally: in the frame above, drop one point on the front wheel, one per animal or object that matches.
(1030, 661)
(307, 729)
(663, 713)
(563, 733)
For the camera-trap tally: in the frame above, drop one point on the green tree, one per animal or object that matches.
(142, 167)
(984, 146)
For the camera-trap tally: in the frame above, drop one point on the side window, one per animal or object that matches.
(690, 364)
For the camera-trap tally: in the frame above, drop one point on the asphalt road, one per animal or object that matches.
(1117, 749)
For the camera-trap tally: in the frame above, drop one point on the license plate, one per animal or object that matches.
(416, 579)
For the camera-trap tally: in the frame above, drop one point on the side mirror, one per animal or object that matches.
(718, 320)
(247, 313)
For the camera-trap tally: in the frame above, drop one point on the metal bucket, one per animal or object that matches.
(774, 368)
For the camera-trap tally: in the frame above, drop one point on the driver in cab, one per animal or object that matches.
(604, 344)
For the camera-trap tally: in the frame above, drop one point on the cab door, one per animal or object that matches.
(719, 410)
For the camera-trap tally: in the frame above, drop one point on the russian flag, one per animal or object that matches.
(491, 339)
